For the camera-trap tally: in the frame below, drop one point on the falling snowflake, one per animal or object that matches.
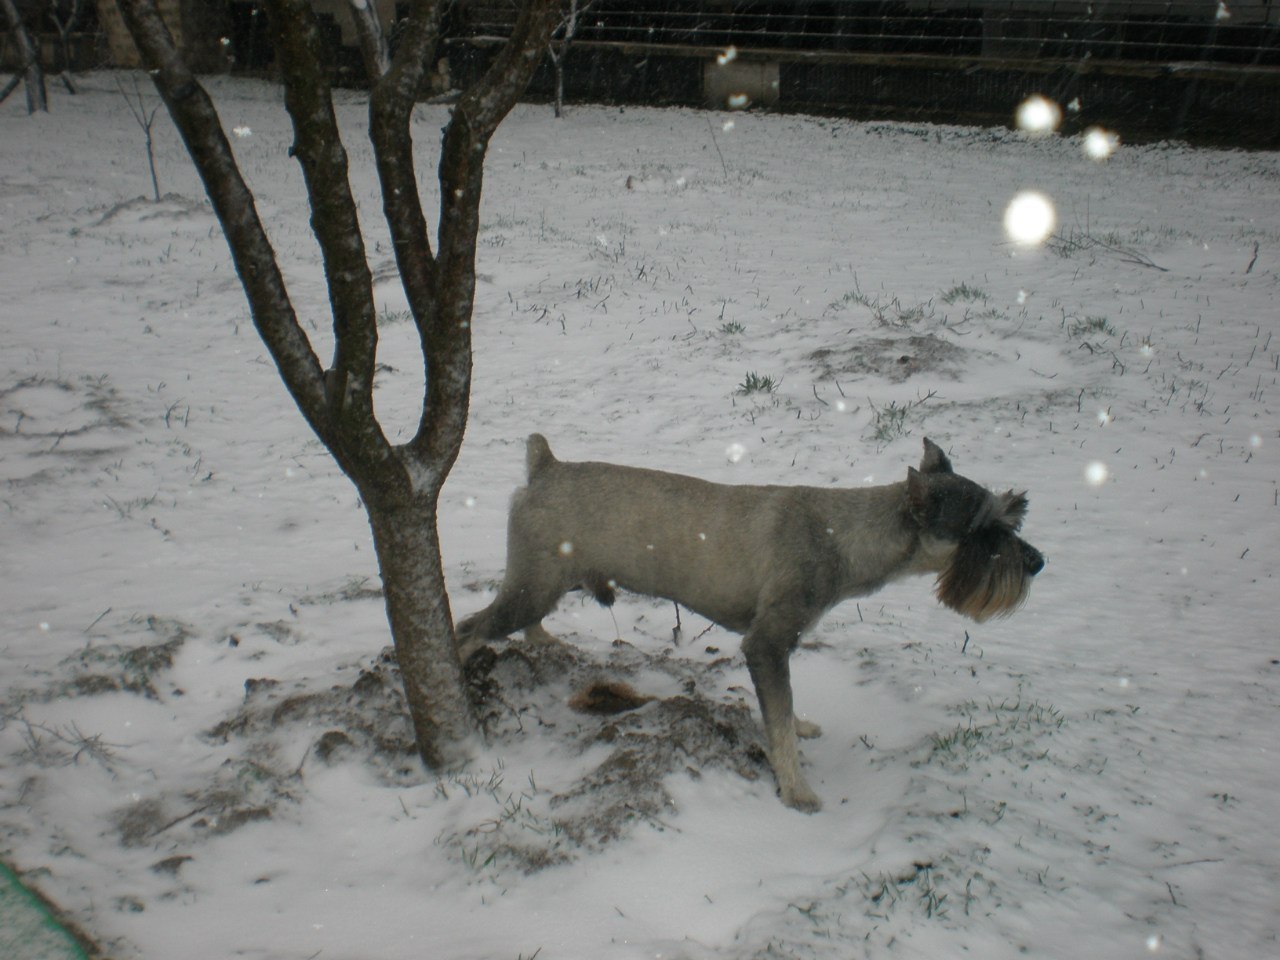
(1030, 219)
(1038, 115)
(1099, 143)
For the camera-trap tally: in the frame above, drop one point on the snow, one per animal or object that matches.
(1095, 776)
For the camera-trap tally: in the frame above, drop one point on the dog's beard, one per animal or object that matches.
(986, 577)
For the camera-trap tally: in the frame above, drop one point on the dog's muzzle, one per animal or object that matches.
(1033, 559)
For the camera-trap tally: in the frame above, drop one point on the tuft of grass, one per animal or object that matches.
(890, 313)
(516, 835)
(854, 298)
(964, 292)
(1090, 326)
(756, 383)
(888, 423)
(962, 738)
(917, 886)
(1009, 729)
(732, 328)
(388, 317)
(891, 422)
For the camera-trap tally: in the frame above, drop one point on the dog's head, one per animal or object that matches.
(985, 568)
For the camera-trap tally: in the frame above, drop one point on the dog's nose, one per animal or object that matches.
(1035, 562)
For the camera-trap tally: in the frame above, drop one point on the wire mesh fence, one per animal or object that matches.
(1244, 32)
(1199, 69)
(1203, 69)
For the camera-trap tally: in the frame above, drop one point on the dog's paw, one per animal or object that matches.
(798, 795)
(801, 798)
(806, 730)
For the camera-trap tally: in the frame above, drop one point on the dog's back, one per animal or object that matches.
(647, 531)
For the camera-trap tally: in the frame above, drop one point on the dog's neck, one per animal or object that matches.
(855, 511)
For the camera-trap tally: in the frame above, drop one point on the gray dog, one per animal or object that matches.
(765, 562)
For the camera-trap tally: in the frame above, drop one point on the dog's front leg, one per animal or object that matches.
(767, 648)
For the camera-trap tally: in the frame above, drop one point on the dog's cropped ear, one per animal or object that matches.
(1013, 509)
(934, 461)
(917, 496)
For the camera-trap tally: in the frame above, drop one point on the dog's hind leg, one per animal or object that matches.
(533, 584)
(514, 608)
(767, 647)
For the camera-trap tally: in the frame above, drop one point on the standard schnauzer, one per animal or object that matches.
(766, 562)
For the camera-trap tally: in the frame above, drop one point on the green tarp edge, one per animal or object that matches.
(28, 929)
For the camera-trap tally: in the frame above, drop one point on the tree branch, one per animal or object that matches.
(371, 37)
(197, 121)
(334, 221)
(390, 112)
(447, 342)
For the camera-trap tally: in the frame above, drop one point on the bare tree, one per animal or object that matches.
(32, 70)
(64, 16)
(146, 120)
(559, 48)
(399, 484)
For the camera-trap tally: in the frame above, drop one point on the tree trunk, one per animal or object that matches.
(408, 549)
(37, 97)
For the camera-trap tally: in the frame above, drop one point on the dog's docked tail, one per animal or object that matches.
(537, 454)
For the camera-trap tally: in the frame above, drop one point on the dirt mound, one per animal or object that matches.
(521, 689)
(893, 358)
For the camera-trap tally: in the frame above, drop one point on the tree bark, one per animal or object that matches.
(400, 485)
(408, 548)
(33, 71)
(371, 37)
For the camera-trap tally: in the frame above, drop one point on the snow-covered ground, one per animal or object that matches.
(1095, 777)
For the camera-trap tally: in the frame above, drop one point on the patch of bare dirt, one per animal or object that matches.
(894, 358)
